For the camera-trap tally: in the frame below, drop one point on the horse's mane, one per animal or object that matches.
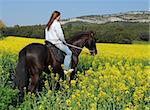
(77, 36)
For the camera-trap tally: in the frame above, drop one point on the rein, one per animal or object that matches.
(78, 47)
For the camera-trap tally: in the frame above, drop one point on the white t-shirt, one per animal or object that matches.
(55, 33)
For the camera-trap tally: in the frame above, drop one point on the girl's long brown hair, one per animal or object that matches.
(54, 15)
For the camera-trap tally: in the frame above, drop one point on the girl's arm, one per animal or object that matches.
(59, 32)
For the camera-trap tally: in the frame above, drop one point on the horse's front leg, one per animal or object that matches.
(74, 66)
(73, 73)
(58, 69)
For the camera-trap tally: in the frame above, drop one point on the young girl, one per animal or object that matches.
(54, 34)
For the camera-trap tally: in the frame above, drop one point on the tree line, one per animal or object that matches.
(116, 32)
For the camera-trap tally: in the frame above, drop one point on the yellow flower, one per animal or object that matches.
(147, 99)
(60, 80)
(33, 95)
(52, 75)
(92, 96)
(102, 94)
(50, 67)
(118, 98)
(138, 94)
(78, 95)
(66, 86)
(95, 81)
(88, 94)
(93, 106)
(62, 65)
(47, 85)
(77, 91)
(41, 107)
(70, 108)
(91, 88)
(83, 87)
(79, 104)
(29, 93)
(68, 102)
(89, 72)
(57, 77)
(73, 82)
(95, 98)
(73, 96)
(49, 92)
(122, 87)
(127, 108)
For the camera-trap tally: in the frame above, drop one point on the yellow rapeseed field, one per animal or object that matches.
(117, 78)
(15, 44)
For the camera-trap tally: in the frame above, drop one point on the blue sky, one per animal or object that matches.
(31, 12)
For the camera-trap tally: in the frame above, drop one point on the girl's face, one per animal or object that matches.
(58, 18)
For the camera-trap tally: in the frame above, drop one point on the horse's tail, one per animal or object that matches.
(21, 78)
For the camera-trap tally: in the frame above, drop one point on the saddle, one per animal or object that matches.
(59, 55)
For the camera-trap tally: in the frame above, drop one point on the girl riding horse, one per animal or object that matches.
(54, 34)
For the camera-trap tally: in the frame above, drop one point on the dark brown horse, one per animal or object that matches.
(36, 57)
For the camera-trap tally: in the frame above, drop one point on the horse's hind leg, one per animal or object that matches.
(34, 82)
(58, 69)
(42, 79)
(21, 92)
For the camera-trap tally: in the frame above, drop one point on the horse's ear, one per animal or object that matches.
(92, 33)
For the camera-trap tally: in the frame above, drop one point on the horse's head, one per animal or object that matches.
(91, 43)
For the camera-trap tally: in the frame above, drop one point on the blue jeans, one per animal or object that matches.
(67, 60)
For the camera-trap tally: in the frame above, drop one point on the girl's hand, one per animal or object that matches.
(64, 42)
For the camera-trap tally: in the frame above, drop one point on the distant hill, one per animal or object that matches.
(132, 16)
(113, 28)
